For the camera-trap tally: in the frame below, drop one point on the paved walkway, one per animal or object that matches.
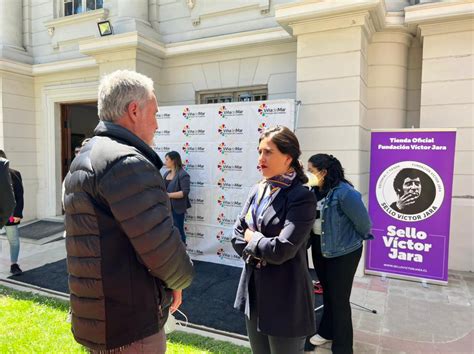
(410, 318)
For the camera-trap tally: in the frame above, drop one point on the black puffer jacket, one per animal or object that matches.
(7, 198)
(122, 248)
(17, 185)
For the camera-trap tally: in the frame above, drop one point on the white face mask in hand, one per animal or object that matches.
(172, 324)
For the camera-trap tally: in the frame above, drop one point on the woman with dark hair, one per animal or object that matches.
(342, 223)
(11, 227)
(270, 234)
(177, 185)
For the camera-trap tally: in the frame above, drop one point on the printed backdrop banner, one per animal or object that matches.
(411, 177)
(218, 145)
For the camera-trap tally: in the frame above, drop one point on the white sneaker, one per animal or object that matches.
(318, 340)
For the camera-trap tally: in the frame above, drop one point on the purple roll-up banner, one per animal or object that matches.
(411, 178)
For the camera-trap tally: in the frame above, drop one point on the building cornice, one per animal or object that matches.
(64, 65)
(438, 18)
(439, 12)
(290, 14)
(121, 42)
(276, 34)
(15, 67)
(133, 42)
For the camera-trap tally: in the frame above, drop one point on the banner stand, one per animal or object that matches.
(423, 282)
(410, 195)
(218, 148)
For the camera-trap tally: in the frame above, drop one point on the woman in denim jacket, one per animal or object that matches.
(342, 223)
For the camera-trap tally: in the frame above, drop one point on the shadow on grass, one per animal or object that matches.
(198, 343)
(62, 305)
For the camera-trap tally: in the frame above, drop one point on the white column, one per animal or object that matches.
(447, 101)
(11, 22)
(332, 81)
(388, 63)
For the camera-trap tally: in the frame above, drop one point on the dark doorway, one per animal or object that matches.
(77, 123)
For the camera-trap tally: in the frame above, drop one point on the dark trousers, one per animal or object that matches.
(178, 221)
(263, 344)
(155, 344)
(336, 276)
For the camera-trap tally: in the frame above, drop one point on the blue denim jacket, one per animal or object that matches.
(345, 222)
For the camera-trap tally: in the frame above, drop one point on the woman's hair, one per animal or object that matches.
(287, 143)
(176, 158)
(2, 154)
(334, 170)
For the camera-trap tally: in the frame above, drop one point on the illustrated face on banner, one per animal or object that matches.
(412, 186)
(410, 191)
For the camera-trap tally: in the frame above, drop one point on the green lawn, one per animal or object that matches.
(32, 323)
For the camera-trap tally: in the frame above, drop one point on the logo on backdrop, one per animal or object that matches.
(194, 251)
(188, 166)
(191, 217)
(188, 148)
(163, 116)
(261, 128)
(224, 255)
(223, 237)
(222, 184)
(224, 112)
(161, 148)
(224, 221)
(224, 167)
(224, 131)
(164, 132)
(266, 111)
(196, 201)
(197, 184)
(193, 234)
(188, 114)
(224, 149)
(228, 203)
(410, 191)
(187, 131)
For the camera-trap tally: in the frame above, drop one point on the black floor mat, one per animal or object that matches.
(41, 229)
(208, 301)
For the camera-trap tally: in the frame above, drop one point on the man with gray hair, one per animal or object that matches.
(126, 262)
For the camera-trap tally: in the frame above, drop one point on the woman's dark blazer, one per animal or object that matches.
(180, 182)
(284, 292)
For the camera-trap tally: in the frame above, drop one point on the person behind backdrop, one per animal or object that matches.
(11, 226)
(271, 233)
(342, 223)
(178, 185)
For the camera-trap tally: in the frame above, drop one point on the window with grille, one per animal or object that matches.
(74, 7)
(233, 95)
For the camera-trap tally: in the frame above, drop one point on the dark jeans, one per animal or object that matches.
(336, 276)
(263, 344)
(178, 221)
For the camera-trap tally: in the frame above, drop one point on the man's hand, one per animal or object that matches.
(248, 235)
(177, 300)
(16, 219)
(406, 200)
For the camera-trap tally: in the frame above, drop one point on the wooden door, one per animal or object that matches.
(66, 149)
